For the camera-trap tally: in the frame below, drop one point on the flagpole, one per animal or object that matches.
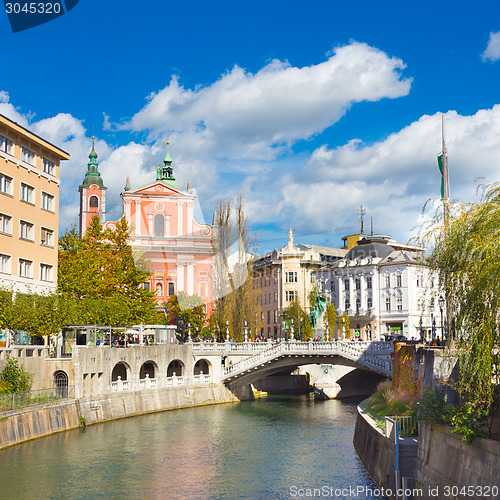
(446, 182)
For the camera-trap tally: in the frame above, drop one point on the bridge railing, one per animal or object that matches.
(377, 359)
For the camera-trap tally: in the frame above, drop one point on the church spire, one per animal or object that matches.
(166, 173)
(92, 175)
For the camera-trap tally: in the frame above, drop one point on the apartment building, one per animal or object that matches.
(29, 209)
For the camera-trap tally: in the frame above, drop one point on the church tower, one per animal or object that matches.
(92, 194)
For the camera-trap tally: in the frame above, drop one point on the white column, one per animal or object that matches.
(180, 277)
(126, 204)
(150, 224)
(137, 217)
(190, 279)
(190, 218)
(180, 206)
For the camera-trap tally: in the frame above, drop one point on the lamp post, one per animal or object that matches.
(433, 327)
(441, 307)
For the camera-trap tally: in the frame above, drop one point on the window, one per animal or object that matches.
(369, 304)
(203, 289)
(369, 282)
(5, 264)
(275, 296)
(275, 316)
(358, 306)
(93, 202)
(5, 145)
(27, 193)
(312, 278)
(28, 156)
(268, 317)
(5, 184)
(47, 202)
(26, 230)
(388, 281)
(5, 224)
(25, 268)
(291, 277)
(357, 283)
(388, 304)
(347, 305)
(145, 285)
(48, 167)
(399, 280)
(399, 303)
(45, 272)
(332, 285)
(47, 238)
(290, 295)
(159, 225)
(346, 285)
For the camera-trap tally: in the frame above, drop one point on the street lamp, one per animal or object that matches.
(441, 306)
(433, 328)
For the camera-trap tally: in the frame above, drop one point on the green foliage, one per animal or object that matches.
(466, 257)
(331, 320)
(301, 320)
(388, 401)
(431, 408)
(468, 420)
(346, 321)
(183, 310)
(14, 377)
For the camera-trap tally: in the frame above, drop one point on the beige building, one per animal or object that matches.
(285, 275)
(29, 209)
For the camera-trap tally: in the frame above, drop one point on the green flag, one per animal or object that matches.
(440, 163)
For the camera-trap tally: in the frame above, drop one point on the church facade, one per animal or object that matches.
(163, 229)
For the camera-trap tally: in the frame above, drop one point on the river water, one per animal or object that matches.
(279, 448)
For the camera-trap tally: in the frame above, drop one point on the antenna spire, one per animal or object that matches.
(362, 212)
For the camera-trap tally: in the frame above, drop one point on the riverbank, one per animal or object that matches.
(25, 424)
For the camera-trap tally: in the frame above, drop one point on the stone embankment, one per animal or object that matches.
(22, 425)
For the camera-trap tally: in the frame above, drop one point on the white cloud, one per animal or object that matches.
(492, 52)
(392, 178)
(253, 116)
(8, 110)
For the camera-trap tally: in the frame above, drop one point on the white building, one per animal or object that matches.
(385, 288)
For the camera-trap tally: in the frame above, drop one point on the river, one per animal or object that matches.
(277, 448)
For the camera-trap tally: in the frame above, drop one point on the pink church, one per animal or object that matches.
(163, 229)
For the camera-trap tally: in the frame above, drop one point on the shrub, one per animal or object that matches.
(15, 378)
(431, 408)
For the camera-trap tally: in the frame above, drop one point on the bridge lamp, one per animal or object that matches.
(441, 307)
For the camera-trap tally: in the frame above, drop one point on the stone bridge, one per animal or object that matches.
(264, 359)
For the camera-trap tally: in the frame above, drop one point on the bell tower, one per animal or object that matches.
(92, 194)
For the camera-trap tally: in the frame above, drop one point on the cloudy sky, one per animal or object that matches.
(306, 110)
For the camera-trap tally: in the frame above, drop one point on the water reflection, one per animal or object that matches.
(255, 450)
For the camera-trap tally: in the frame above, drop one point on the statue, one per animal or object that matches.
(290, 236)
(318, 309)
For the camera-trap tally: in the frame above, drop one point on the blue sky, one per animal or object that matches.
(306, 110)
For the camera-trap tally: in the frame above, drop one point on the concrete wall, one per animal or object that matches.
(444, 460)
(377, 452)
(29, 423)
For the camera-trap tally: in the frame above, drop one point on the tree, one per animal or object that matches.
(99, 279)
(331, 320)
(183, 310)
(466, 259)
(234, 298)
(14, 377)
(346, 325)
(301, 320)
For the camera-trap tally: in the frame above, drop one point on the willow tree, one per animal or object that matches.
(234, 297)
(466, 259)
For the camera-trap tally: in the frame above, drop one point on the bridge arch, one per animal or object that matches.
(175, 367)
(121, 370)
(149, 368)
(202, 366)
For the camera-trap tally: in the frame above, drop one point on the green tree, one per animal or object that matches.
(466, 259)
(331, 320)
(301, 320)
(183, 310)
(99, 278)
(14, 377)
